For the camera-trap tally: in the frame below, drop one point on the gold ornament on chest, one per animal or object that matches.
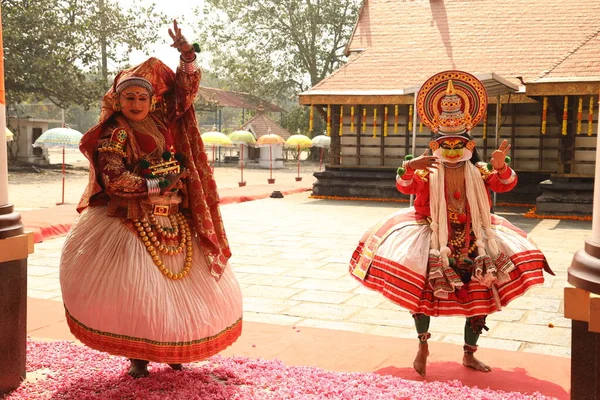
(167, 240)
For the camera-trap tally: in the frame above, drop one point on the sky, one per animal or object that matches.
(173, 9)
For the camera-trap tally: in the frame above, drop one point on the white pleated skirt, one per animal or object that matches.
(118, 301)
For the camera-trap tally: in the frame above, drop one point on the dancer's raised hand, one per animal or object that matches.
(424, 161)
(180, 42)
(499, 156)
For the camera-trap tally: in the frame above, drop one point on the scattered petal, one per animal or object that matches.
(64, 370)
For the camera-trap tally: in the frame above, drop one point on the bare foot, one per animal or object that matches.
(470, 361)
(176, 367)
(420, 363)
(138, 369)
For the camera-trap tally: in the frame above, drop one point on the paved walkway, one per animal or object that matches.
(291, 257)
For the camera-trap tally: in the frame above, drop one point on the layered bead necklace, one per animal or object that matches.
(156, 239)
(456, 201)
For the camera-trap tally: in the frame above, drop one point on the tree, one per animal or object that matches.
(53, 48)
(276, 48)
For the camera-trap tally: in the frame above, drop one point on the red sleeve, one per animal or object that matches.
(409, 183)
(187, 79)
(117, 179)
(502, 182)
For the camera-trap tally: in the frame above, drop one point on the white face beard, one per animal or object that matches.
(467, 154)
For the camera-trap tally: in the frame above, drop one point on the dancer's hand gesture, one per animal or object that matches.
(499, 156)
(424, 161)
(174, 180)
(180, 42)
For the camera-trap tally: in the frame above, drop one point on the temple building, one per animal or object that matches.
(539, 61)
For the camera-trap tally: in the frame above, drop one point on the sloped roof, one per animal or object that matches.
(398, 44)
(211, 97)
(583, 61)
(260, 124)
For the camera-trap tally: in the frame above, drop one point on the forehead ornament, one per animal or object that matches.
(133, 81)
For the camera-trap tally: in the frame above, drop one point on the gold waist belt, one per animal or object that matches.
(165, 210)
(161, 210)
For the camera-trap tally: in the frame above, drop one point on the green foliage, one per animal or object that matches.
(276, 48)
(296, 120)
(54, 48)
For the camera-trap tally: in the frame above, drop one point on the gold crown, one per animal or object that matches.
(452, 119)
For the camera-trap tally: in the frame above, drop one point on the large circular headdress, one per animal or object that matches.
(451, 102)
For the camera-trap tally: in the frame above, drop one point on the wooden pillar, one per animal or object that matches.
(583, 308)
(566, 142)
(15, 246)
(513, 133)
(485, 138)
(407, 135)
(382, 140)
(358, 126)
(335, 135)
(572, 132)
(541, 146)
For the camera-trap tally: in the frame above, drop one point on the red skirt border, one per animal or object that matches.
(150, 350)
(410, 290)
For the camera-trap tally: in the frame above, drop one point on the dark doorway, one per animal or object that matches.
(35, 134)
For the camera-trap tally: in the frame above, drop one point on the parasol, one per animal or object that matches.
(60, 137)
(269, 140)
(216, 139)
(300, 142)
(323, 142)
(242, 138)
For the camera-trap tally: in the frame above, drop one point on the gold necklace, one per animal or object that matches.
(150, 238)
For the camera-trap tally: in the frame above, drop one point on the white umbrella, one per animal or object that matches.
(60, 137)
(242, 138)
(323, 142)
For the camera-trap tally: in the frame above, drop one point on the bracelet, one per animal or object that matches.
(153, 188)
(405, 169)
(189, 67)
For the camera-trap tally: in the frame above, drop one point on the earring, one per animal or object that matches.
(153, 104)
(116, 106)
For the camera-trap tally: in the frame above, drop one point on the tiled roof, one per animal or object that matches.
(226, 98)
(401, 43)
(582, 61)
(260, 124)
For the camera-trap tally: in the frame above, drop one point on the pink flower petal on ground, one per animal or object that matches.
(69, 371)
